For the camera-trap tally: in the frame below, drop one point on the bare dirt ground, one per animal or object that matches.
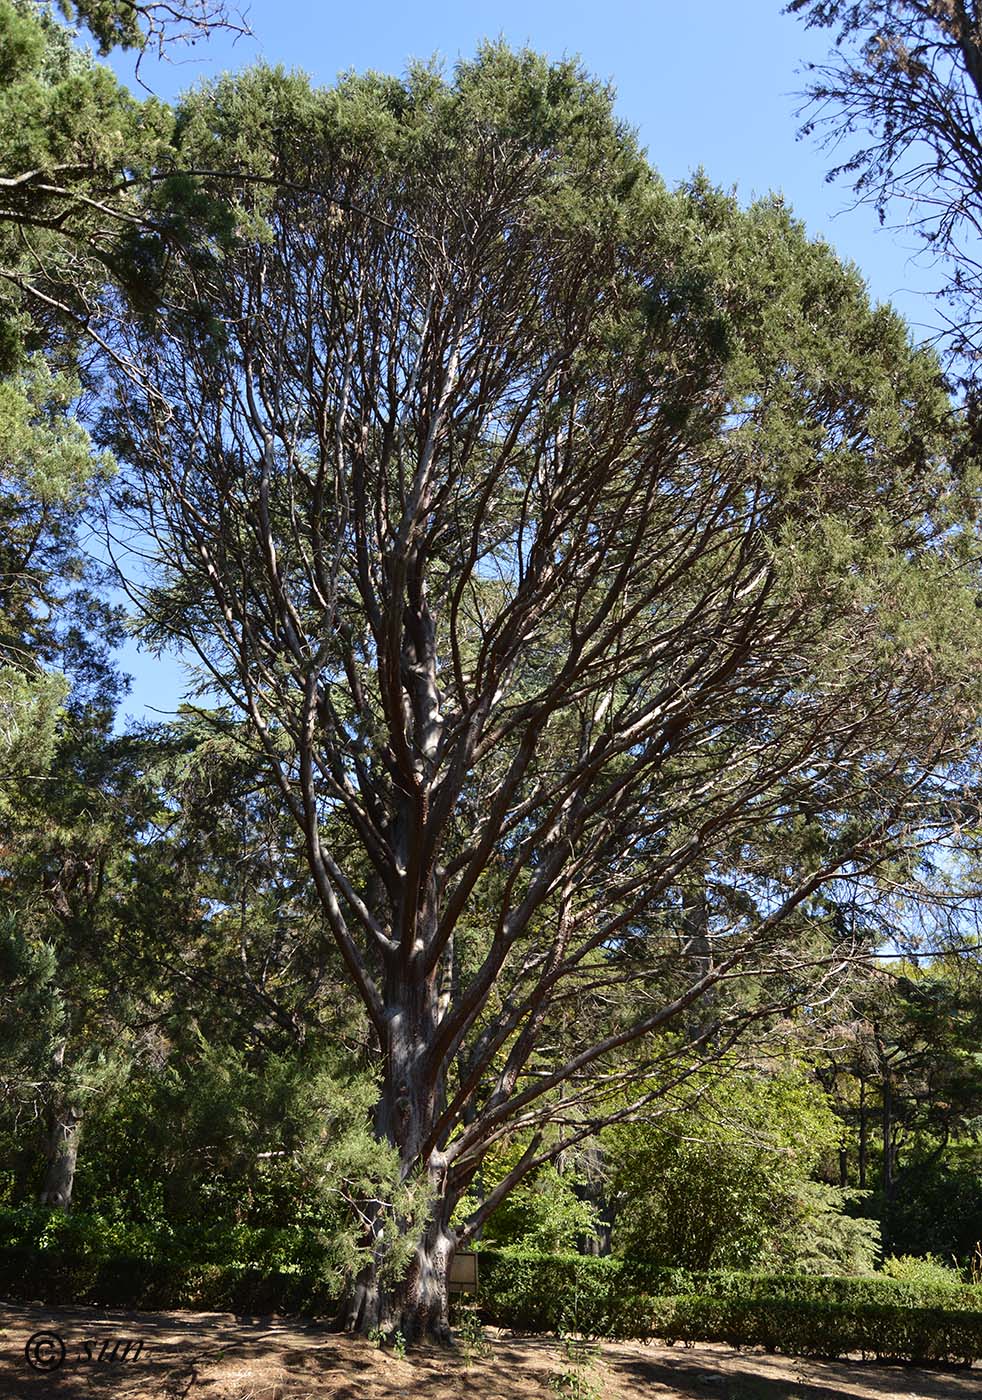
(215, 1356)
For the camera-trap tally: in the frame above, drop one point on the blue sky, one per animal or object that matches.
(712, 84)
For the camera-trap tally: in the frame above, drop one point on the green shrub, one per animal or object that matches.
(925, 1269)
(578, 1379)
(285, 1249)
(58, 1258)
(806, 1288)
(64, 1259)
(800, 1316)
(543, 1214)
(534, 1292)
(881, 1332)
(50, 1276)
(725, 1182)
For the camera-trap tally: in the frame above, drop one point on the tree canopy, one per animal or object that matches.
(593, 565)
(900, 98)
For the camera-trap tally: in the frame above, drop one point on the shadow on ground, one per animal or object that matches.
(215, 1356)
(699, 1373)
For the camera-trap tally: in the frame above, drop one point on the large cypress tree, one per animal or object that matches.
(583, 555)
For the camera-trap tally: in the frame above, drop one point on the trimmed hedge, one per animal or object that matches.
(54, 1258)
(924, 1336)
(799, 1316)
(542, 1286)
(803, 1288)
(551, 1292)
(52, 1276)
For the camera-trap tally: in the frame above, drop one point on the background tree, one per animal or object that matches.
(560, 537)
(727, 1180)
(50, 589)
(76, 236)
(907, 1087)
(79, 157)
(907, 80)
(74, 240)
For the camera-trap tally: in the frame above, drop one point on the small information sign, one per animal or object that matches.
(463, 1272)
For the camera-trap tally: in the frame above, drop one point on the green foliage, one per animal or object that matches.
(608, 1296)
(223, 1157)
(548, 1292)
(30, 706)
(906, 1083)
(30, 1007)
(59, 109)
(885, 1319)
(543, 1213)
(59, 113)
(725, 1183)
(46, 453)
(394, 1339)
(129, 1281)
(825, 1239)
(50, 473)
(577, 1380)
(468, 1330)
(72, 140)
(920, 1335)
(74, 1259)
(936, 1205)
(76, 149)
(300, 1258)
(927, 1269)
(132, 24)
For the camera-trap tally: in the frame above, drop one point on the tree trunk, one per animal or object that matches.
(599, 1245)
(593, 1190)
(412, 1099)
(416, 1306)
(862, 1135)
(61, 1150)
(64, 1129)
(425, 1295)
(887, 1222)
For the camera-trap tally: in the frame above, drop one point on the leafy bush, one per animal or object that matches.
(883, 1332)
(726, 1182)
(548, 1292)
(98, 1237)
(926, 1269)
(825, 1238)
(801, 1316)
(54, 1277)
(578, 1379)
(936, 1206)
(543, 1213)
(804, 1288)
(468, 1329)
(539, 1291)
(60, 1258)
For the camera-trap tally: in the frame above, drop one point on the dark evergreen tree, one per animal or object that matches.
(560, 538)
